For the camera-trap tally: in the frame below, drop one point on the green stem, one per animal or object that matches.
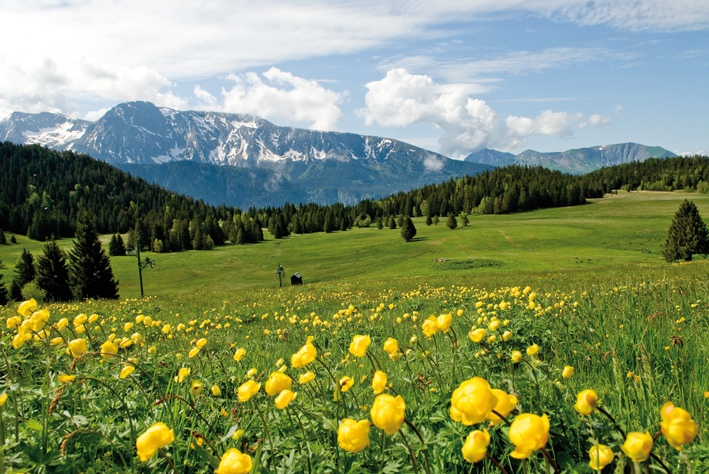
(425, 448)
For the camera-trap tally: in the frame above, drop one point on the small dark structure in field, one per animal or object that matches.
(296, 279)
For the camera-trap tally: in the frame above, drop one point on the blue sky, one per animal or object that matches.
(450, 76)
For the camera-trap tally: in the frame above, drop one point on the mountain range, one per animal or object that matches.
(576, 161)
(244, 160)
(240, 160)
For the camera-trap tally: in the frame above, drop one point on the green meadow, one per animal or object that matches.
(614, 237)
(541, 306)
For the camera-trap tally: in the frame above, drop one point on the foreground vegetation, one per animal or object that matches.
(182, 362)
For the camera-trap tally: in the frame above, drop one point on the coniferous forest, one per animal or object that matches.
(42, 192)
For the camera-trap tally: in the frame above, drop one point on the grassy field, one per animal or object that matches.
(583, 288)
(610, 237)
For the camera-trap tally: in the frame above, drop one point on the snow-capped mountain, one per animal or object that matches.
(177, 148)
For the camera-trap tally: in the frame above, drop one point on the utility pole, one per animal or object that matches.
(148, 262)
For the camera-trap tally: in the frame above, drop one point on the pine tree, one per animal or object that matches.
(3, 240)
(687, 234)
(240, 238)
(90, 272)
(391, 223)
(53, 273)
(452, 223)
(429, 221)
(25, 272)
(408, 231)
(435, 220)
(116, 247)
(464, 220)
(3, 291)
(13, 240)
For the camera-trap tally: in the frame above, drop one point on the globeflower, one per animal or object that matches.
(444, 322)
(182, 374)
(472, 401)
(201, 343)
(586, 402)
(193, 352)
(533, 349)
(306, 377)
(284, 399)
(600, 456)
(528, 433)
(359, 345)
(505, 404)
(108, 350)
(126, 371)
(475, 447)
(477, 335)
(304, 356)
(353, 436)
(27, 307)
(154, 438)
(568, 372)
(391, 346)
(234, 462)
(77, 347)
(516, 356)
(379, 382)
(216, 391)
(247, 390)
(196, 388)
(3, 399)
(677, 426)
(277, 382)
(346, 383)
(430, 326)
(388, 413)
(637, 446)
(240, 354)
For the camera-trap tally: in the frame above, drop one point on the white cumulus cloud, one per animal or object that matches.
(469, 124)
(282, 95)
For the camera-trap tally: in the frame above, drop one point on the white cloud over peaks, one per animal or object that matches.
(469, 124)
(284, 96)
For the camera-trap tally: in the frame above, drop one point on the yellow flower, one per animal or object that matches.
(247, 390)
(166, 329)
(430, 326)
(93, 318)
(353, 436)
(306, 377)
(533, 349)
(3, 399)
(505, 404)
(568, 372)
(251, 372)
(388, 413)
(396, 356)
(586, 402)
(391, 346)
(477, 335)
(600, 456)
(304, 356)
(216, 391)
(637, 446)
(11, 323)
(472, 401)
(516, 356)
(126, 371)
(126, 327)
(528, 433)
(346, 383)
(494, 325)
(277, 382)
(677, 426)
(284, 398)
(27, 307)
(507, 336)
(379, 382)
(475, 446)
(56, 340)
(444, 322)
(234, 462)
(77, 347)
(193, 352)
(182, 374)
(359, 345)
(201, 343)
(240, 354)
(64, 378)
(154, 438)
(196, 388)
(62, 323)
(108, 350)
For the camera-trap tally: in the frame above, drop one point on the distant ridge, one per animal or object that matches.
(575, 161)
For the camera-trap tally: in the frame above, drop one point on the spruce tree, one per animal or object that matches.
(464, 220)
(408, 231)
(116, 247)
(4, 296)
(687, 234)
(53, 273)
(240, 238)
(452, 223)
(3, 240)
(90, 273)
(25, 272)
(391, 223)
(13, 240)
(429, 221)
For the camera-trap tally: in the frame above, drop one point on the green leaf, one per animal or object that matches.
(33, 425)
(206, 456)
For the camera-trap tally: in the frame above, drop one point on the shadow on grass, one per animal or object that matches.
(419, 239)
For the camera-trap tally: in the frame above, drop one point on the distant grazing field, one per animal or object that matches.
(610, 237)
